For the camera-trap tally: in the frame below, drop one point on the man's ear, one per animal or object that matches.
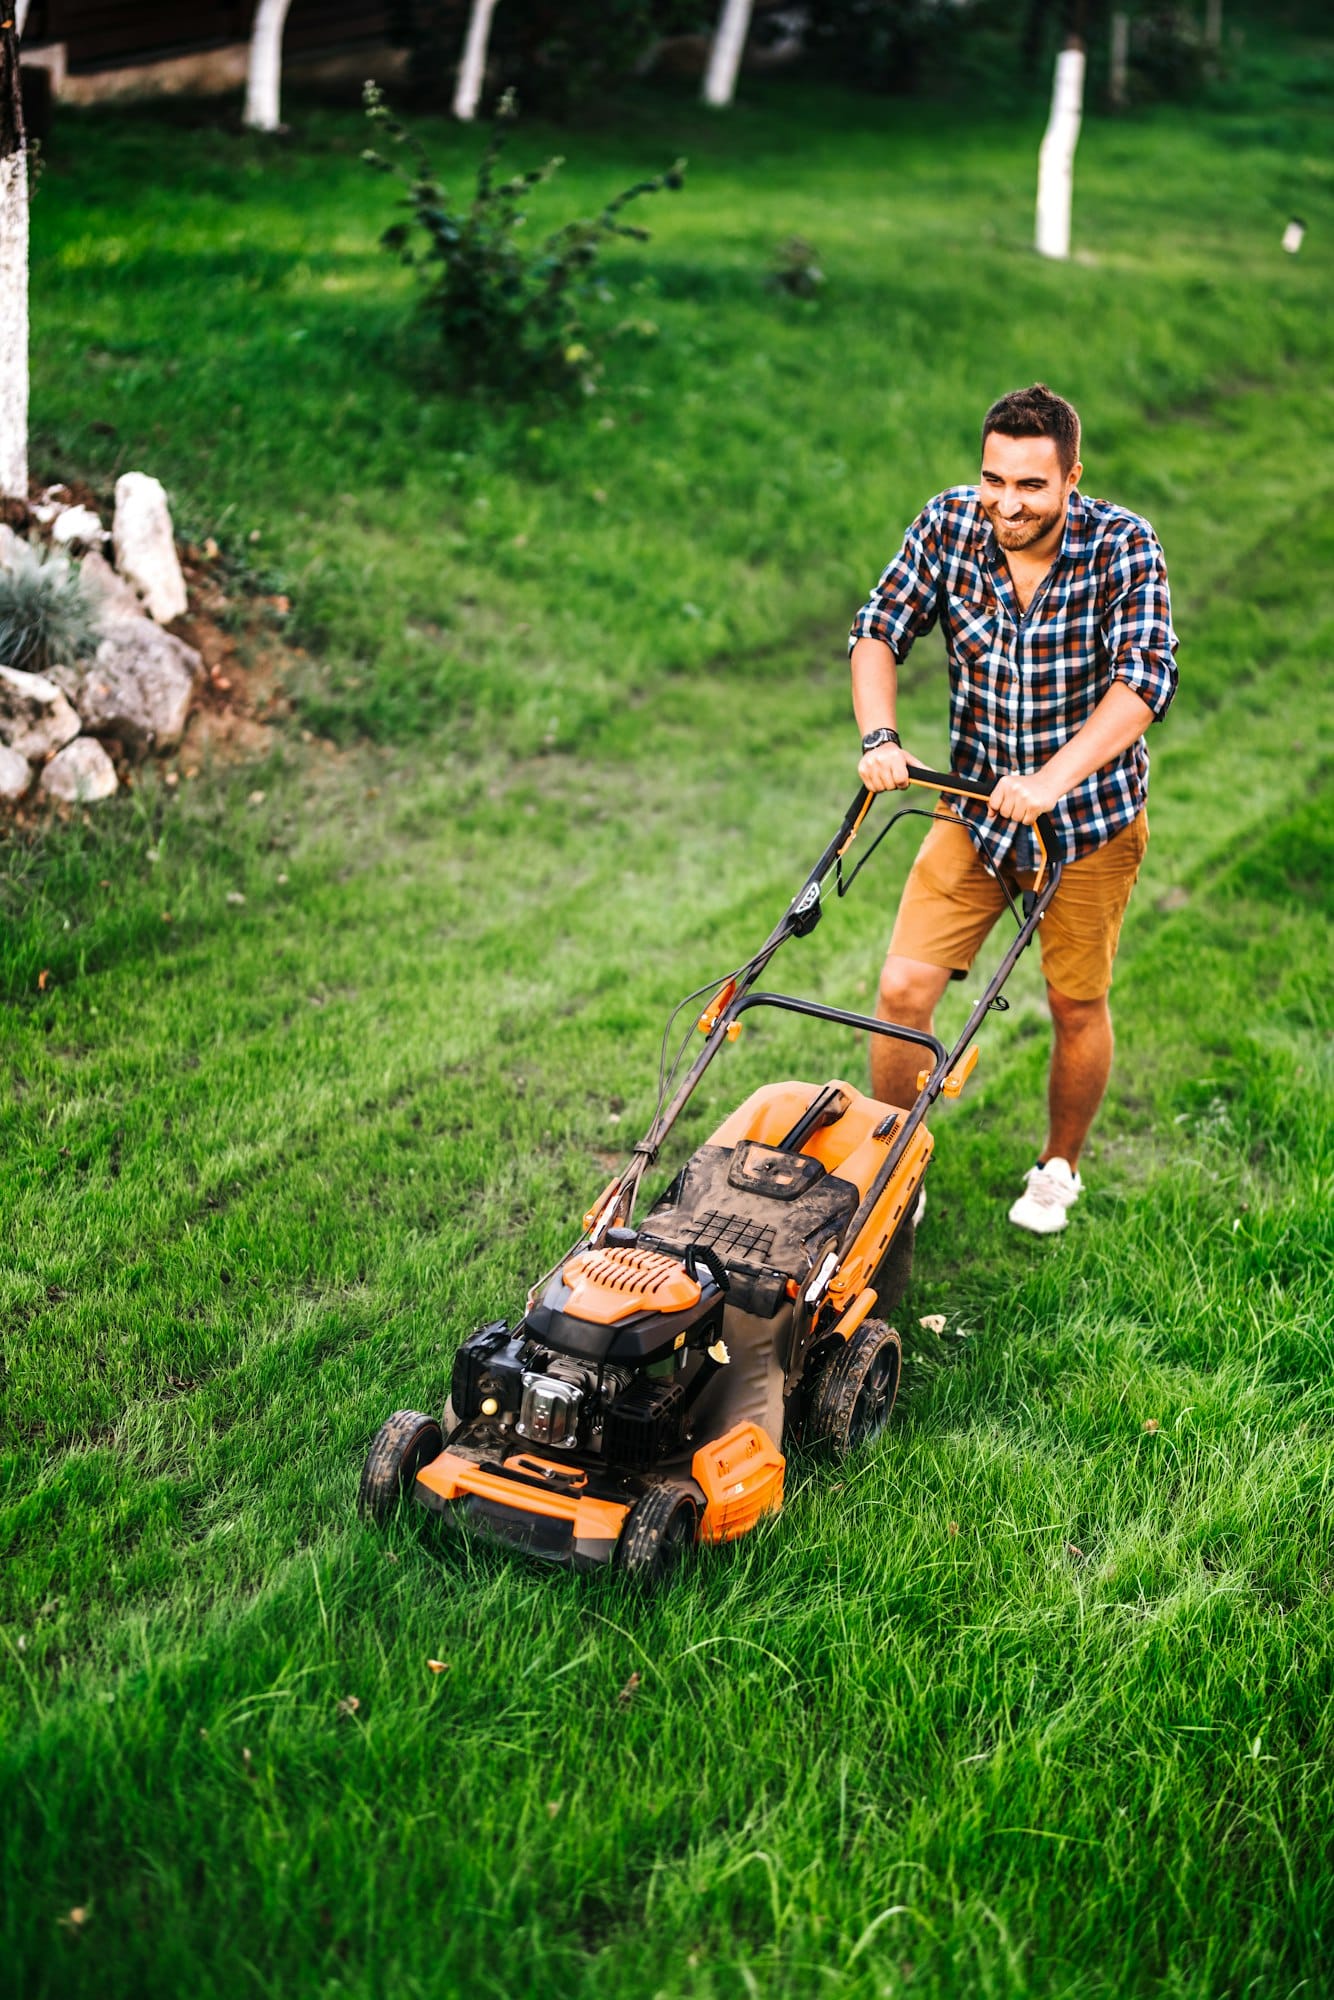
(1076, 473)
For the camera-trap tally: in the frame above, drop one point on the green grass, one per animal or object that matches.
(1028, 1699)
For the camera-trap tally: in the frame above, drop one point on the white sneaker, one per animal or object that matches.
(1050, 1190)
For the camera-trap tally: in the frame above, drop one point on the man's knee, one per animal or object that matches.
(909, 990)
(1074, 1017)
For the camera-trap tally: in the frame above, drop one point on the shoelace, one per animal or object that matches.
(1044, 1189)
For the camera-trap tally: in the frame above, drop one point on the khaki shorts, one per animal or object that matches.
(951, 900)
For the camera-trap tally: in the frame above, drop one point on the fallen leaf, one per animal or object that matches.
(349, 1704)
(43, 980)
(235, 898)
(1076, 1555)
(76, 1919)
(553, 1807)
(933, 1322)
(256, 798)
(954, 1527)
(1151, 1424)
(166, 916)
(628, 1692)
(438, 1666)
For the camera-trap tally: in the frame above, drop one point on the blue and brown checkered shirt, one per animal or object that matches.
(1022, 683)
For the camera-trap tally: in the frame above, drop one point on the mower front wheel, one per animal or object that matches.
(660, 1527)
(402, 1446)
(855, 1393)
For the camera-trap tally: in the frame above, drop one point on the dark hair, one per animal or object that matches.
(1037, 412)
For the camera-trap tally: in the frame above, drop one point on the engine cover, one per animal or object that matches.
(549, 1412)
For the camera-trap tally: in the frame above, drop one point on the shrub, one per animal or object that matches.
(46, 619)
(508, 316)
(1168, 54)
(796, 268)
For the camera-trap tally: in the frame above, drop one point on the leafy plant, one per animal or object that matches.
(796, 268)
(509, 317)
(46, 619)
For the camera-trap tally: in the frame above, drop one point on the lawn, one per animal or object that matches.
(1035, 1697)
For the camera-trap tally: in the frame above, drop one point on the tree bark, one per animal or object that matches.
(264, 73)
(1213, 24)
(729, 39)
(13, 272)
(20, 18)
(1056, 158)
(472, 70)
(1117, 81)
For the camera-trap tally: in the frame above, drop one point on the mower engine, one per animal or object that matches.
(610, 1361)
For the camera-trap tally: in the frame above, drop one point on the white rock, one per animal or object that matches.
(145, 549)
(80, 773)
(112, 596)
(140, 685)
(35, 717)
(77, 524)
(10, 544)
(15, 773)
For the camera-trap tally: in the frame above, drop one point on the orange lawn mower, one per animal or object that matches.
(643, 1402)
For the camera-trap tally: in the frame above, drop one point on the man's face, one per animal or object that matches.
(1023, 490)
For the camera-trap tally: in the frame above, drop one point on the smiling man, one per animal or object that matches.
(1058, 625)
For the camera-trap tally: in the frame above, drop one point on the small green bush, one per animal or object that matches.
(46, 619)
(508, 316)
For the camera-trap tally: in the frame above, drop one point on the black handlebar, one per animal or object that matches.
(969, 788)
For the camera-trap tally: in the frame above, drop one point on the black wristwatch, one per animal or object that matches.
(876, 739)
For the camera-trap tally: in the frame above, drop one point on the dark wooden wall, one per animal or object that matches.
(108, 34)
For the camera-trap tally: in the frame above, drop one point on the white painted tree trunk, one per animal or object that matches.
(1056, 158)
(1213, 23)
(13, 274)
(1117, 87)
(264, 74)
(20, 18)
(472, 70)
(729, 39)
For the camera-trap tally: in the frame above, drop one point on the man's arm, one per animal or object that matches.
(900, 609)
(1119, 720)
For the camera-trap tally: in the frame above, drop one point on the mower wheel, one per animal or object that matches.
(855, 1392)
(403, 1445)
(660, 1527)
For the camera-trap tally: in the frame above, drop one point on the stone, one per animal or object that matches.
(15, 773)
(35, 717)
(10, 545)
(139, 686)
(112, 597)
(81, 773)
(77, 525)
(145, 547)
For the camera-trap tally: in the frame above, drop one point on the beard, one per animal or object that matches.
(1021, 534)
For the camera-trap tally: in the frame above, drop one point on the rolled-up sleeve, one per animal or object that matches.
(903, 604)
(1137, 625)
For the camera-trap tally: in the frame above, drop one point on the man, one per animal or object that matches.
(1057, 620)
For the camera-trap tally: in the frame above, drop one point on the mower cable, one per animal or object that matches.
(844, 883)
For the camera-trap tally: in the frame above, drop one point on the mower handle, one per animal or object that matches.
(949, 782)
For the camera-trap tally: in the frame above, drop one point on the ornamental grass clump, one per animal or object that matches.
(509, 316)
(46, 619)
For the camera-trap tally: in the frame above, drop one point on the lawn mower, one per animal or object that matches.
(644, 1400)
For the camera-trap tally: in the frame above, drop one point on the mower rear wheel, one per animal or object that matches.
(660, 1527)
(403, 1445)
(855, 1393)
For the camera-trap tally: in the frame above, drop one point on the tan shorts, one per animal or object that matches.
(950, 901)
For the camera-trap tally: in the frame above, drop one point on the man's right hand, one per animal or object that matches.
(885, 769)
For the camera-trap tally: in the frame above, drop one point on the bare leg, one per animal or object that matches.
(909, 990)
(1081, 1062)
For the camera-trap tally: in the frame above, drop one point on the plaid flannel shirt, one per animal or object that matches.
(1022, 683)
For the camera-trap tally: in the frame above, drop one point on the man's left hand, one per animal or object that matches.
(1022, 798)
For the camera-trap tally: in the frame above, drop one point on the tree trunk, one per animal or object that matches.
(1056, 159)
(20, 18)
(1117, 81)
(265, 72)
(13, 273)
(472, 70)
(1213, 23)
(729, 39)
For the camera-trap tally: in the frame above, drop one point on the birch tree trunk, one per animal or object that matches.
(264, 73)
(13, 273)
(472, 70)
(729, 39)
(1118, 81)
(1056, 158)
(20, 18)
